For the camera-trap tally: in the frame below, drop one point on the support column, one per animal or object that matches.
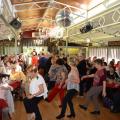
(15, 47)
(66, 49)
(107, 53)
(87, 51)
(3, 47)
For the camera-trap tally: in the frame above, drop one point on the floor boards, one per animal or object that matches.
(49, 111)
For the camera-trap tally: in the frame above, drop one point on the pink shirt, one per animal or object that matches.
(74, 75)
(73, 79)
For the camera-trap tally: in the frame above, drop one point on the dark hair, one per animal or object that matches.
(3, 76)
(65, 59)
(104, 63)
(43, 54)
(60, 61)
(99, 62)
(111, 63)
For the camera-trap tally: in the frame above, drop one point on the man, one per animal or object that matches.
(82, 68)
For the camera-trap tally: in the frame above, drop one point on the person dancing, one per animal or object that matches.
(37, 90)
(99, 85)
(72, 84)
(61, 76)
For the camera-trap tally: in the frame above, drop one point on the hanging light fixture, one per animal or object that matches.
(63, 17)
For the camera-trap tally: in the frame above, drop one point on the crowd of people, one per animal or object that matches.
(45, 76)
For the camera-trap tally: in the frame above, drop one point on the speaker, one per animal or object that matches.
(86, 28)
(15, 23)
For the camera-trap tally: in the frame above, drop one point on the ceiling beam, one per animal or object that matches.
(79, 37)
(60, 3)
(22, 4)
(79, 9)
(40, 18)
(44, 14)
(32, 9)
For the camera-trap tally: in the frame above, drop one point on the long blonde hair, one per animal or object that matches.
(72, 61)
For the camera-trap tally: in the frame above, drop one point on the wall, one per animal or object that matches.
(72, 50)
(9, 50)
(108, 53)
(39, 49)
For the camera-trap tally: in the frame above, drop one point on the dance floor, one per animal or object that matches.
(49, 111)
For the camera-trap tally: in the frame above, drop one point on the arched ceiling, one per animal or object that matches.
(42, 13)
(35, 13)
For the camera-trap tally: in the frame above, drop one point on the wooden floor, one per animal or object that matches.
(49, 111)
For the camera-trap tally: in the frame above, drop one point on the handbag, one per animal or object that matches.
(107, 102)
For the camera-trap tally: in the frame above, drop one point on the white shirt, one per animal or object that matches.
(18, 68)
(34, 86)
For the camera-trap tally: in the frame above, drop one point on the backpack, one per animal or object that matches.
(107, 102)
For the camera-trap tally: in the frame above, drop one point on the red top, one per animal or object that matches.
(34, 60)
(99, 77)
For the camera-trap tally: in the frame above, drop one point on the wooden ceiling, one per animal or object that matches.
(41, 13)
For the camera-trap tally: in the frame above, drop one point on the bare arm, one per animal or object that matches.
(90, 76)
(87, 76)
(104, 89)
(63, 78)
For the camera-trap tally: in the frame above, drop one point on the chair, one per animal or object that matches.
(17, 89)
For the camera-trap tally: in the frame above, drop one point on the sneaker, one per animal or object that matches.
(95, 112)
(60, 106)
(83, 107)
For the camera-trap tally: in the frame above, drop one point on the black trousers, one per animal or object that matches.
(85, 85)
(68, 100)
(31, 106)
(81, 87)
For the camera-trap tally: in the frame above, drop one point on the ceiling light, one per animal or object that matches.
(88, 40)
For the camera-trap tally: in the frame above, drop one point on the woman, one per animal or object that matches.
(72, 84)
(111, 75)
(37, 90)
(16, 75)
(7, 68)
(5, 94)
(52, 74)
(17, 79)
(61, 76)
(99, 85)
